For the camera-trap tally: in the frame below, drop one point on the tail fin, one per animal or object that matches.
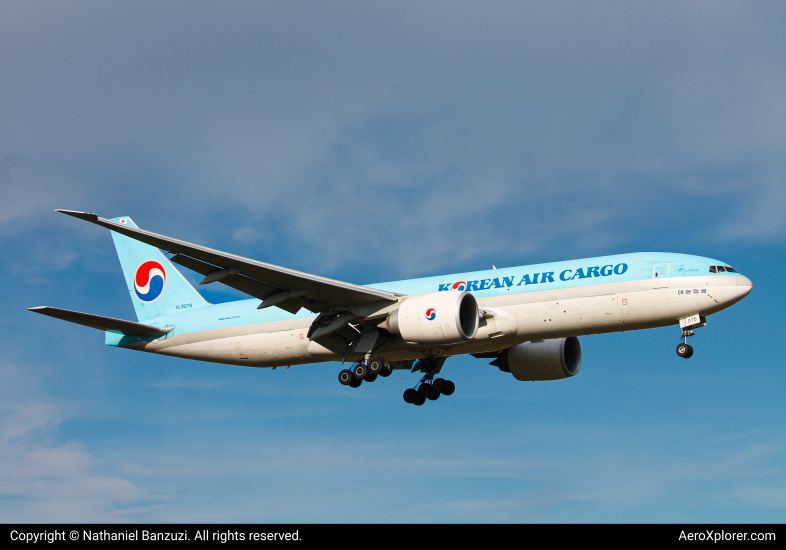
(156, 287)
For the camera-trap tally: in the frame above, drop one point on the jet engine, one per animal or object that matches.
(542, 359)
(435, 318)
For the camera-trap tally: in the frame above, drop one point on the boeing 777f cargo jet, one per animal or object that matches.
(525, 319)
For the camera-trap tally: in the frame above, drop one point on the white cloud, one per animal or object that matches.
(42, 477)
(378, 142)
(408, 144)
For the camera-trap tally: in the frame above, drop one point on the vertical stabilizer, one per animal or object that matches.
(156, 287)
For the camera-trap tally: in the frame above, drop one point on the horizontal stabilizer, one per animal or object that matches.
(102, 323)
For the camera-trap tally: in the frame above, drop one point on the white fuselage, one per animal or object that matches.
(508, 319)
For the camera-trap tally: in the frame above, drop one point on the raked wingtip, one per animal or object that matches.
(88, 216)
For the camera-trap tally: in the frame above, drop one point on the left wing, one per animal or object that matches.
(102, 323)
(286, 288)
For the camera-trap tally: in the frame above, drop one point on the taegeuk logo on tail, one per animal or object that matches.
(149, 281)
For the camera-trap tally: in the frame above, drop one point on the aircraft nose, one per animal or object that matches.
(744, 286)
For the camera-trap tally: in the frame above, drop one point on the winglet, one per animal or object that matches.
(87, 216)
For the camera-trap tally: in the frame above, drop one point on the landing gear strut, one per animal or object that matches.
(685, 350)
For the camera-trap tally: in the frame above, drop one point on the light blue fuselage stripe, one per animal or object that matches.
(484, 284)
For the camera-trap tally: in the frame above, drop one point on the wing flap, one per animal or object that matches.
(100, 322)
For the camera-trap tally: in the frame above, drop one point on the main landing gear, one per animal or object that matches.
(367, 372)
(426, 389)
(685, 350)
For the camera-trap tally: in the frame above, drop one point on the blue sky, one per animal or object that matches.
(371, 142)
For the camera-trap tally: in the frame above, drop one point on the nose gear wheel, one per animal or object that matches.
(685, 350)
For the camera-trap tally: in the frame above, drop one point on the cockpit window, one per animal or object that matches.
(722, 269)
(713, 269)
(731, 269)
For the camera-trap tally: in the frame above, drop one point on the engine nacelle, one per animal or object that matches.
(542, 359)
(435, 318)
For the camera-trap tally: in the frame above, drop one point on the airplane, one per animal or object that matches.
(527, 319)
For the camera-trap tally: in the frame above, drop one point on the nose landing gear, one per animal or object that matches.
(685, 350)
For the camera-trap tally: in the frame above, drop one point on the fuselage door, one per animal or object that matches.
(660, 276)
